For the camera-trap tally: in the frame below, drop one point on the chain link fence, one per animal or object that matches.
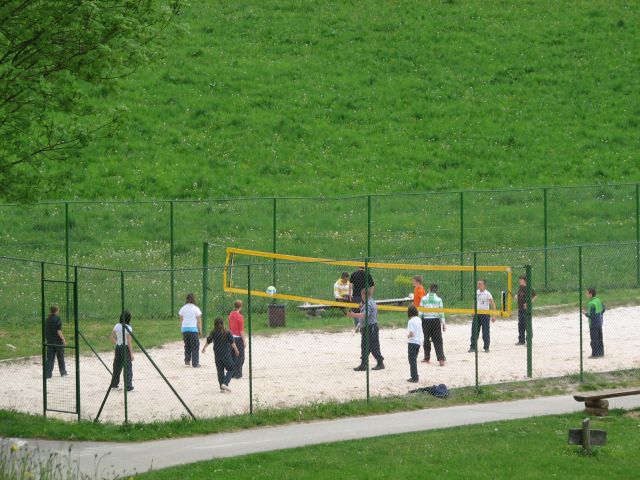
(295, 355)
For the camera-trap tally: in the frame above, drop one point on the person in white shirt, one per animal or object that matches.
(342, 289)
(123, 353)
(414, 334)
(484, 301)
(433, 324)
(191, 328)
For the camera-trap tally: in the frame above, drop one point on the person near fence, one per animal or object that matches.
(359, 281)
(223, 345)
(433, 324)
(56, 342)
(595, 314)
(236, 327)
(367, 325)
(521, 298)
(123, 355)
(484, 301)
(415, 336)
(191, 328)
(418, 290)
(342, 289)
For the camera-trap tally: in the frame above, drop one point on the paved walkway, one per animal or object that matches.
(112, 459)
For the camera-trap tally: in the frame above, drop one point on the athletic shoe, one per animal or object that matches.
(360, 368)
(520, 343)
(426, 360)
(225, 388)
(486, 350)
(64, 374)
(379, 366)
(129, 389)
(238, 377)
(441, 362)
(412, 380)
(196, 366)
(187, 364)
(472, 350)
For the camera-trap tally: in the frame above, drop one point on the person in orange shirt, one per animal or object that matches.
(418, 290)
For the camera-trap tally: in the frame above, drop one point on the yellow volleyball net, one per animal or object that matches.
(317, 283)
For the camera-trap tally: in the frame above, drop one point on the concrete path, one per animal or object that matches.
(122, 459)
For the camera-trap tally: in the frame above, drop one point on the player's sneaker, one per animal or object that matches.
(225, 388)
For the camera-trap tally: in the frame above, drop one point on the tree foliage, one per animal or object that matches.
(55, 55)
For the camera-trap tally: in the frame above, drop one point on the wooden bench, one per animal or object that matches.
(314, 309)
(596, 403)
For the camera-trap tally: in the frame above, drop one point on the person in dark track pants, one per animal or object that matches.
(414, 334)
(521, 298)
(123, 354)
(595, 314)
(484, 301)
(191, 328)
(236, 327)
(433, 324)
(223, 345)
(368, 328)
(55, 343)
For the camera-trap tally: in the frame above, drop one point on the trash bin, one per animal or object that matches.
(276, 315)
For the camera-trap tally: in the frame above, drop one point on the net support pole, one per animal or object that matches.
(125, 349)
(275, 242)
(250, 339)
(66, 239)
(546, 237)
(76, 337)
(44, 342)
(580, 310)
(529, 322)
(366, 332)
(172, 255)
(475, 324)
(205, 283)
(461, 244)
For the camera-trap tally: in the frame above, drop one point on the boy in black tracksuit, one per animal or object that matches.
(223, 344)
(123, 355)
(55, 343)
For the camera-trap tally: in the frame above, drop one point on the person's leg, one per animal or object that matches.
(220, 370)
(117, 366)
(593, 338)
(364, 350)
(187, 348)
(601, 339)
(48, 364)
(128, 377)
(239, 360)
(61, 365)
(486, 334)
(229, 366)
(374, 343)
(437, 339)
(475, 332)
(522, 325)
(195, 349)
(412, 351)
(425, 343)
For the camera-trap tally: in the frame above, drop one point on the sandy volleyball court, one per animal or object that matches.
(299, 368)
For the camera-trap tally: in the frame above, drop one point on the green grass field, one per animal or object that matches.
(530, 449)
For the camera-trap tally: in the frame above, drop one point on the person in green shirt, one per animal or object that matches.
(595, 312)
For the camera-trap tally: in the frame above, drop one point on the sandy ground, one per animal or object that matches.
(301, 368)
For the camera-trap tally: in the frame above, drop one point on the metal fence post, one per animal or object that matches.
(529, 322)
(76, 337)
(44, 342)
(546, 224)
(461, 244)
(366, 331)
(637, 234)
(125, 349)
(250, 339)
(580, 309)
(368, 225)
(172, 255)
(475, 323)
(205, 284)
(66, 239)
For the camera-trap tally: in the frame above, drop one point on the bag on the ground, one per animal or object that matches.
(440, 391)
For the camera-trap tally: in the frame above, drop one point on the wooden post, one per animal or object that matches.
(586, 434)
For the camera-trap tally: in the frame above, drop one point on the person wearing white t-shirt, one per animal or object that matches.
(123, 355)
(415, 336)
(484, 301)
(191, 328)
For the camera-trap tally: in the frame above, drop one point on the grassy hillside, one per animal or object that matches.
(258, 98)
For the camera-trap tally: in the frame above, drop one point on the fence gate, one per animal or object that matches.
(60, 361)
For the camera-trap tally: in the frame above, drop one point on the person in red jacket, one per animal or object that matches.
(236, 327)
